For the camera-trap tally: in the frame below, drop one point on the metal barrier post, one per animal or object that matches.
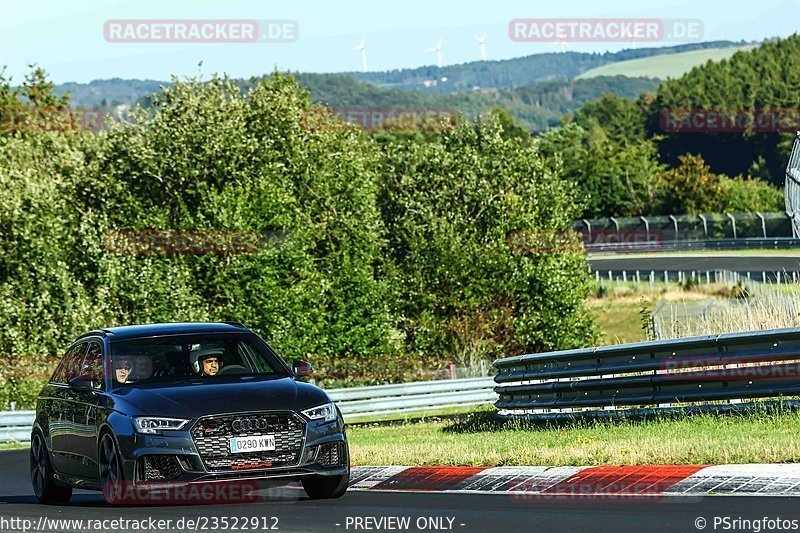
(646, 227)
(733, 224)
(616, 224)
(763, 224)
(675, 223)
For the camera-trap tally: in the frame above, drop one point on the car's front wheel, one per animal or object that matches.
(44, 486)
(325, 487)
(111, 476)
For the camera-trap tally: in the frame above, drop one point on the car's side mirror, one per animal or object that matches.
(81, 384)
(301, 369)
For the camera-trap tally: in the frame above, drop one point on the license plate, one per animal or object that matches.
(262, 443)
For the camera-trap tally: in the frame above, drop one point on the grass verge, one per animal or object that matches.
(769, 436)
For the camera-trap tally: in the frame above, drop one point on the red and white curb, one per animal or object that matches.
(655, 480)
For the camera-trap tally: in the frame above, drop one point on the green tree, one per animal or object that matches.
(208, 157)
(692, 188)
(449, 208)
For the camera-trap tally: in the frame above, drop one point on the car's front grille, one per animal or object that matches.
(212, 437)
(330, 454)
(159, 467)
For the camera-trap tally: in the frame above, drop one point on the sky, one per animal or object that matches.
(67, 38)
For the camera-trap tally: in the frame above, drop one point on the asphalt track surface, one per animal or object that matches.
(700, 263)
(469, 512)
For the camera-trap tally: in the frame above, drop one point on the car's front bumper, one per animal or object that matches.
(136, 448)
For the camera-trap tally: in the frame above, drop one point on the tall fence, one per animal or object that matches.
(791, 188)
(688, 232)
(688, 372)
(689, 276)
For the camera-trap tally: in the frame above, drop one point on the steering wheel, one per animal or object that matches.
(232, 369)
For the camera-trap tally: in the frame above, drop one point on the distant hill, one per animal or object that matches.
(537, 107)
(477, 75)
(517, 72)
(664, 66)
(104, 93)
(537, 89)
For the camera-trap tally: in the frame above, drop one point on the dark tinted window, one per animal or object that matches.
(69, 367)
(93, 365)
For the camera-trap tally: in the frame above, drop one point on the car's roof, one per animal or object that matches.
(171, 328)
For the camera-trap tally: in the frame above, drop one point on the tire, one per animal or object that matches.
(112, 481)
(44, 486)
(326, 487)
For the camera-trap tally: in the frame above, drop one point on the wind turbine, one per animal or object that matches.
(438, 50)
(482, 42)
(362, 47)
(562, 43)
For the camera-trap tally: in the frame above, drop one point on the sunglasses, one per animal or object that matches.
(125, 367)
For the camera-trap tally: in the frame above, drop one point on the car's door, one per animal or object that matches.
(86, 407)
(62, 417)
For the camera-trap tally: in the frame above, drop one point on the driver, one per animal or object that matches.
(207, 362)
(122, 370)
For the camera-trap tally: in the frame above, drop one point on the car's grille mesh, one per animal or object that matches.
(212, 437)
(160, 467)
(330, 454)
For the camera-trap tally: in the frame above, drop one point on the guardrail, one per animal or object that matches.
(720, 231)
(683, 228)
(645, 246)
(688, 371)
(417, 396)
(355, 403)
(16, 425)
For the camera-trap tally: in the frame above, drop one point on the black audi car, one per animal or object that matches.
(178, 405)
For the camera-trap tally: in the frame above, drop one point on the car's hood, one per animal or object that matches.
(193, 398)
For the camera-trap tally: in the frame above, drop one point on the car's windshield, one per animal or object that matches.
(177, 357)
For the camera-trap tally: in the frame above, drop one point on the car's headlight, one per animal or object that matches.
(326, 412)
(154, 425)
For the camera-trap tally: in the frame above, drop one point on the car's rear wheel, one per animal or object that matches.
(44, 486)
(326, 487)
(111, 475)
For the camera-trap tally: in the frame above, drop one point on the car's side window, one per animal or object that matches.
(251, 359)
(69, 366)
(93, 365)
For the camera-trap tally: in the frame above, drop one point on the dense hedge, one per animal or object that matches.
(385, 248)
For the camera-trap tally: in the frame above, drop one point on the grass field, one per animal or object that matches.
(479, 440)
(617, 312)
(663, 66)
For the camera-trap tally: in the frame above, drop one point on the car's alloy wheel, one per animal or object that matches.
(325, 487)
(111, 478)
(44, 486)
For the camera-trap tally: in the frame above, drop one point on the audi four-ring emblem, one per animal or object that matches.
(248, 424)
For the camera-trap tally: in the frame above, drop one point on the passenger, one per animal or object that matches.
(122, 370)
